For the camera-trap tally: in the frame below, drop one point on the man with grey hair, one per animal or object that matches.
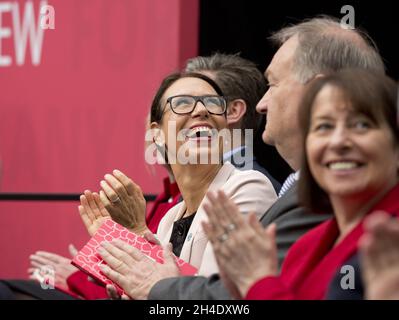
(243, 86)
(306, 51)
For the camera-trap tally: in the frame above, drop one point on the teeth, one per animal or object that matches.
(343, 165)
(199, 132)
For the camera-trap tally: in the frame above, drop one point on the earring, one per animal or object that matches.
(159, 145)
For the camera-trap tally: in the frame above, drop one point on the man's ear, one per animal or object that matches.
(235, 111)
(319, 75)
(315, 77)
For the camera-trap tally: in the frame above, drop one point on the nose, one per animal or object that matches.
(261, 107)
(340, 139)
(199, 110)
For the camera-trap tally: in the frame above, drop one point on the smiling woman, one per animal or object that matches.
(179, 122)
(351, 140)
(350, 167)
(188, 109)
(193, 105)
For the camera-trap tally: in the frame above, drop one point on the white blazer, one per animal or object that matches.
(251, 191)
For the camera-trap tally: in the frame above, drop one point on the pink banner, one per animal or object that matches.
(77, 78)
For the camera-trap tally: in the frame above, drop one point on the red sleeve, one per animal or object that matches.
(269, 288)
(78, 283)
(300, 259)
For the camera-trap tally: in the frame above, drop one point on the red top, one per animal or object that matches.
(313, 260)
(78, 282)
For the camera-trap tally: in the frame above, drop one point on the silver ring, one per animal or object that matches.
(230, 227)
(223, 237)
(116, 200)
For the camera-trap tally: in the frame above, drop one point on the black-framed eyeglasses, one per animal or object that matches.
(185, 104)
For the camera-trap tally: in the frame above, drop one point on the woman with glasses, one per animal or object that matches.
(188, 114)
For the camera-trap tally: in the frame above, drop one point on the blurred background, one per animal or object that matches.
(73, 100)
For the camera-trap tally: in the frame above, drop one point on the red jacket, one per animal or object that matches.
(78, 282)
(312, 261)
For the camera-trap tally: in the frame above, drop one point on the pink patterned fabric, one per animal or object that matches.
(89, 261)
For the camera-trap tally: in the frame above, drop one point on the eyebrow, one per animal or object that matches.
(354, 114)
(323, 117)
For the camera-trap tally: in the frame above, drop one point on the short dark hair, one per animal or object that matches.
(369, 93)
(239, 78)
(156, 107)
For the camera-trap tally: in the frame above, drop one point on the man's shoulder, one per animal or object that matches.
(288, 208)
(287, 203)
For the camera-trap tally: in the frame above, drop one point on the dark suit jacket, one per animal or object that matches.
(292, 222)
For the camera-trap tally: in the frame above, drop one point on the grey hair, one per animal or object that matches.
(325, 47)
(238, 78)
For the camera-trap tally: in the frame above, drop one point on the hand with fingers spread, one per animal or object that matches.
(61, 265)
(379, 256)
(92, 211)
(132, 270)
(245, 251)
(124, 200)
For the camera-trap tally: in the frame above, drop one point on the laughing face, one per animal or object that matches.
(349, 154)
(191, 137)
